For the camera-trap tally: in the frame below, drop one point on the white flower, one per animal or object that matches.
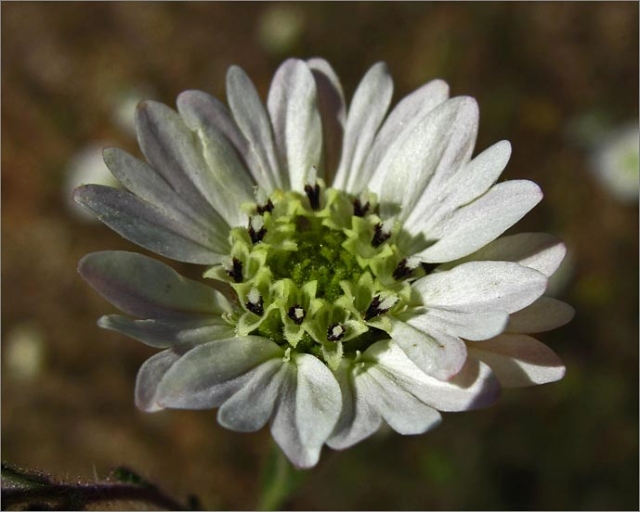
(616, 162)
(384, 296)
(516, 358)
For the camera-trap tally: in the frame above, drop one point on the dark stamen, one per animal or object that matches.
(428, 267)
(378, 307)
(379, 236)
(297, 314)
(313, 193)
(265, 208)
(335, 332)
(373, 309)
(359, 209)
(257, 308)
(235, 272)
(256, 236)
(402, 270)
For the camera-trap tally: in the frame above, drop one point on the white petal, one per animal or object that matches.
(437, 354)
(422, 161)
(318, 400)
(253, 121)
(539, 251)
(470, 301)
(401, 410)
(386, 383)
(481, 286)
(173, 149)
(307, 411)
(468, 183)
(366, 112)
(475, 178)
(518, 360)
(198, 108)
(251, 407)
(358, 419)
(332, 109)
(404, 117)
(476, 224)
(149, 376)
(168, 333)
(155, 227)
(543, 315)
(209, 374)
(470, 325)
(226, 181)
(144, 287)
(292, 105)
(146, 183)
(474, 386)
(164, 142)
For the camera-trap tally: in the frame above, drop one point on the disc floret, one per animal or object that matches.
(316, 273)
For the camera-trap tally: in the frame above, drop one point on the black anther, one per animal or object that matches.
(297, 314)
(373, 309)
(313, 193)
(236, 270)
(331, 336)
(257, 236)
(379, 236)
(359, 209)
(428, 267)
(265, 208)
(402, 270)
(257, 308)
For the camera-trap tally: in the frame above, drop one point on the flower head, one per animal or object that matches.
(355, 274)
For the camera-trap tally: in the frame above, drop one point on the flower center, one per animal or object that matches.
(319, 257)
(316, 273)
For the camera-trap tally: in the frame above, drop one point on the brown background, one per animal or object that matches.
(544, 75)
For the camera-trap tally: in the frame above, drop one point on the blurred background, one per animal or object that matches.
(559, 80)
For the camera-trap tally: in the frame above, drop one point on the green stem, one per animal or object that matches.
(279, 480)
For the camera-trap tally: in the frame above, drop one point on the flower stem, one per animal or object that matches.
(279, 480)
